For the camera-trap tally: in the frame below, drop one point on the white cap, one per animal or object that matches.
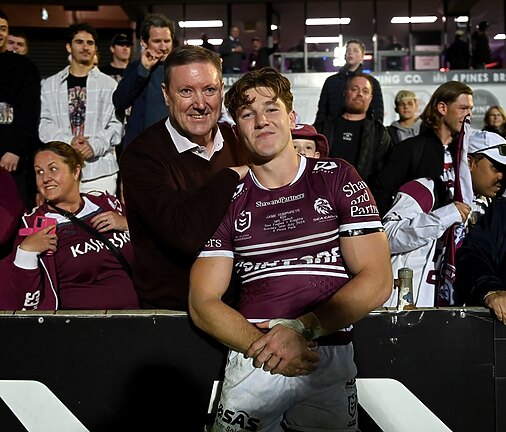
(488, 143)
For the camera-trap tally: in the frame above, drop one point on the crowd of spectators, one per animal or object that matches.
(430, 181)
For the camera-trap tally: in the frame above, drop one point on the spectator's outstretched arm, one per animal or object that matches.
(411, 223)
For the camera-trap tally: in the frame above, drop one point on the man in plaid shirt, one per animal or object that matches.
(77, 109)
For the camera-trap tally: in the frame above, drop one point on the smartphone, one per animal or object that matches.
(40, 223)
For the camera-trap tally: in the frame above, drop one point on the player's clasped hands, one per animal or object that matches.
(283, 351)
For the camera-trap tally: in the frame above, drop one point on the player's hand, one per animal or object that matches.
(283, 351)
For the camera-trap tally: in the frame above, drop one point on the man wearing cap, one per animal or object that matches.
(121, 50)
(425, 209)
(308, 142)
(480, 46)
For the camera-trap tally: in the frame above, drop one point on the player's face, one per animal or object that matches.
(305, 147)
(82, 49)
(160, 41)
(455, 112)
(265, 125)
(194, 99)
(54, 179)
(407, 109)
(486, 177)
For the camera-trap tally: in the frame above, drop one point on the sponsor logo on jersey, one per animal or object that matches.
(240, 420)
(367, 210)
(238, 190)
(213, 243)
(325, 166)
(280, 200)
(243, 222)
(118, 239)
(322, 206)
(32, 300)
(352, 188)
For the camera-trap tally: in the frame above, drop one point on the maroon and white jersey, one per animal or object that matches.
(82, 273)
(285, 241)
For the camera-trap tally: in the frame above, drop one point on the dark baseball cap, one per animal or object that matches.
(121, 39)
(483, 25)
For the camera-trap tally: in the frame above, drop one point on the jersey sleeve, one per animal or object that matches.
(356, 207)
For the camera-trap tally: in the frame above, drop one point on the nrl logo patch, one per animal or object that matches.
(243, 222)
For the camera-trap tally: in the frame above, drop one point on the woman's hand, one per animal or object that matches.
(109, 221)
(42, 241)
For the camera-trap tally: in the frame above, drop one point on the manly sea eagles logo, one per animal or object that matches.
(243, 222)
(322, 206)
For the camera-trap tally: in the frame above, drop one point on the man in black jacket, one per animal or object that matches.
(356, 137)
(481, 262)
(331, 103)
(19, 115)
(428, 153)
(259, 55)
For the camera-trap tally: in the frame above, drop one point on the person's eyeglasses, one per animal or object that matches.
(501, 148)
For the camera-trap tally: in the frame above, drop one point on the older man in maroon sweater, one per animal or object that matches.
(176, 182)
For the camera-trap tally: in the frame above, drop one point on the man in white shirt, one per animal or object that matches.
(77, 109)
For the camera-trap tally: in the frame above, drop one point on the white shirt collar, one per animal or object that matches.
(183, 144)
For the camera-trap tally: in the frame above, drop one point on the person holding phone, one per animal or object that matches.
(57, 264)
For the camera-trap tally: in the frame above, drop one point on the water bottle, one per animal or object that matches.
(404, 283)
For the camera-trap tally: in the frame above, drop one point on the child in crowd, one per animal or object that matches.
(408, 125)
(308, 142)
